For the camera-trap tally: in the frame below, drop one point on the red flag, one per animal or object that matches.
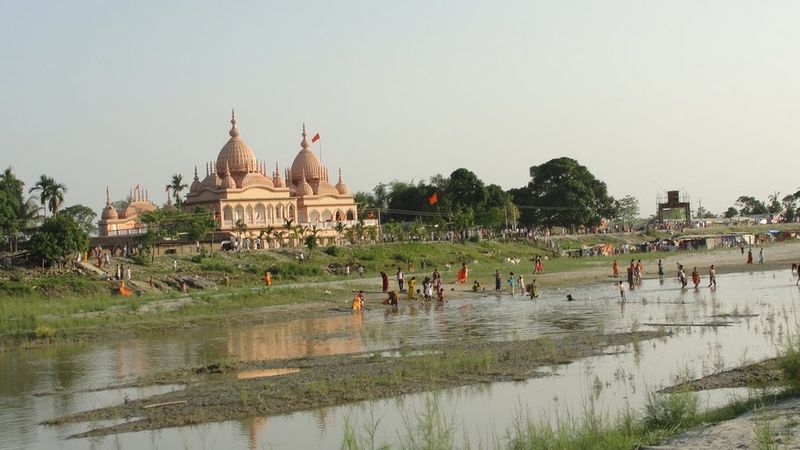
(315, 138)
(433, 199)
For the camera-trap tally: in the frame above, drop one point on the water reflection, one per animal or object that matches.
(48, 382)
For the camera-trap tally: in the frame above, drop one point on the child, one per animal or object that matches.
(622, 290)
(511, 283)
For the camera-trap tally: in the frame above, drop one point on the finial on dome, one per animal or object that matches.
(234, 130)
(304, 143)
(196, 178)
(108, 197)
(340, 174)
(227, 169)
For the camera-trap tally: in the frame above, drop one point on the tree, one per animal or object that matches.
(59, 238)
(563, 193)
(627, 209)
(790, 208)
(750, 206)
(83, 216)
(176, 186)
(51, 193)
(197, 224)
(10, 206)
(774, 205)
(731, 212)
(465, 190)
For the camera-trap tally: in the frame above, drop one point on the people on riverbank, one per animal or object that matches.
(498, 281)
(761, 255)
(267, 279)
(615, 269)
(631, 278)
(749, 256)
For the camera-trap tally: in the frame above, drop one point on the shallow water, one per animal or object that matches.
(50, 382)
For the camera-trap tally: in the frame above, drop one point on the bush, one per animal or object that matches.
(332, 251)
(789, 362)
(674, 410)
(293, 271)
(44, 331)
(215, 265)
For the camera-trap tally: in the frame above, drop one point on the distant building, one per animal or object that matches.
(243, 196)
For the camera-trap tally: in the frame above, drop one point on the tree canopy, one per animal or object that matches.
(83, 216)
(59, 238)
(562, 192)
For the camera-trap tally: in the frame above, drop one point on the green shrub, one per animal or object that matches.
(675, 410)
(44, 331)
(216, 265)
(332, 251)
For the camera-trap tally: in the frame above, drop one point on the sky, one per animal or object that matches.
(697, 96)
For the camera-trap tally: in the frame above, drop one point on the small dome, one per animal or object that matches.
(256, 179)
(228, 182)
(303, 188)
(340, 186)
(195, 186)
(212, 181)
(306, 162)
(323, 187)
(128, 212)
(109, 213)
(236, 155)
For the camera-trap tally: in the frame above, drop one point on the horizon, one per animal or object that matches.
(649, 97)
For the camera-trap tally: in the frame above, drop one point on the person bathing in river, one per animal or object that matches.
(358, 301)
(631, 276)
(615, 269)
(696, 278)
(384, 282)
(392, 299)
(412, 283)
(682, 276)
(400, 279)
(660, 268)
(535, 289)
(477, 286)
(511, 283)
(621, 286)
(712, 277)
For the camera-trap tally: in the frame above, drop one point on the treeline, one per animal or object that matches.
(561, 192)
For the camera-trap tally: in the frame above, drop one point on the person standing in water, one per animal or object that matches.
(511, 283)
(696, 278)
(621, 285)
(498, 281)
(615, 269)
(749, 256)
(712, 277)
(535, 289)
(761, 256)
(660, 268)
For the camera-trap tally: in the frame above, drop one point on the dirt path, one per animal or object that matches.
(773, 427)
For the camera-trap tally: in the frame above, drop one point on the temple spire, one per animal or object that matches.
(234, 129)
(304, 143)
(108, 197)
(196, 178)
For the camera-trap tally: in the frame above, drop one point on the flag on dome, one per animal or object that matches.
(315, 138)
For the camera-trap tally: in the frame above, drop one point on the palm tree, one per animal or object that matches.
(177, 185)
(266, 234)
(51, 194)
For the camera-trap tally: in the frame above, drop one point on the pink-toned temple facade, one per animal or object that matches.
(240, 191)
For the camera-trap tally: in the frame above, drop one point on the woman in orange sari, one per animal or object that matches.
(615, 268)
(463, 274)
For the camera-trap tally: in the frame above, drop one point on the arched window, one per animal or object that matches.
(227, 216)
(327, 215)
(279, 212)
(261, 214)
(338, 216)
(314, 216)
(351, 215)
(270, 214)
(249, 214)
(292, 212)
(239, 213)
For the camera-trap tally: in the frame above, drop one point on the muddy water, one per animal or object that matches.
(46, 383)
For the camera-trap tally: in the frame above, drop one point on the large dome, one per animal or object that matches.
(236, 154)
(306, 162)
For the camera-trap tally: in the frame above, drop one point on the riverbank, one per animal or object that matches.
(38, 310)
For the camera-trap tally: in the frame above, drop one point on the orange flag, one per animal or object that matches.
(433, 199)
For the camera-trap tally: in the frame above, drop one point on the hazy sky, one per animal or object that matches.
(702, 96)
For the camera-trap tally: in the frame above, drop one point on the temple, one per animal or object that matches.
(245, 198)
